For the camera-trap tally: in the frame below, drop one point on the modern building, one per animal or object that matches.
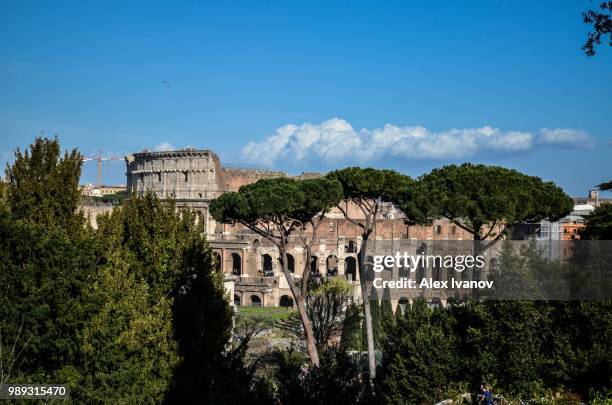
(99, 191)
(567, 228)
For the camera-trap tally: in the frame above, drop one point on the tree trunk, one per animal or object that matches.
(367, 314)
(313, 353)
(369, 337)
(299, 302)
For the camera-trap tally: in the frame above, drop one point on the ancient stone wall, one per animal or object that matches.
(186, 174)
(195, 177)
(233, 179)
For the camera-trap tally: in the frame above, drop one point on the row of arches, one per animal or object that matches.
(404, 302)
(267, 270)
(350, 268)
(254, 300)
(286, 301)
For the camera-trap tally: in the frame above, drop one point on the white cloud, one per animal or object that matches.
(337, 140)
(164, 146)
(566, 137)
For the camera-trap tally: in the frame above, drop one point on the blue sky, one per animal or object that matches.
(312, 86)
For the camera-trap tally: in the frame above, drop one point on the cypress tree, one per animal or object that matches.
(46, 263)
(376, 319)
(351, 332)
(386, 310)
(418, 358)
(43, 186)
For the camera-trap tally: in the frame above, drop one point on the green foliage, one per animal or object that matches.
(602, 27)
(43, 186)
(524, 273)
(136, 312)
(43, 274)
(375, 310)
(276, 200)
(266, 199)
(336, 380)
(3, 188)
(590, 274)
(367, 188)
(319, 196)
(476, 195)
(386, 310)
(370, 184)
(503, 346)
(166, 253)
(520, 348)
(47, 260)
(418, 357)
(271, 313)
(274, 209)
(605, 186)
(399, 313)
(577, 357)
(203, 321)
(351, 329)
(154, 239)
(113, 312)
(128, 350)
(598, 225)
(326, 301)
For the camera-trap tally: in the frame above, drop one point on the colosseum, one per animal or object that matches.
(250, 264)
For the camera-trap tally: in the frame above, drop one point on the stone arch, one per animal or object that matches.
(267, 265)
(436, 272)
(314, 265)
(458, 275)
(402, 304)
(290, 263)
(236, 264)
(404, 271)
(331, 263)
(237, 300)
(421, 271)
(350, 268)
(255, 300)
(434, 303)
(217, 262)
(286, 301)
(256, 244)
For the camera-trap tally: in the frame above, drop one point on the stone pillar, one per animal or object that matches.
(177, 176)
(163, 174)
(190, 178)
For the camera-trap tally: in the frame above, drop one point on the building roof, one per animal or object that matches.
(583, 207)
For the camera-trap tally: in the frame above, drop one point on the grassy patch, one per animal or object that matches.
(272, 313)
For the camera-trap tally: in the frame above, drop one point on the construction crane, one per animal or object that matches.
(99, 158)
